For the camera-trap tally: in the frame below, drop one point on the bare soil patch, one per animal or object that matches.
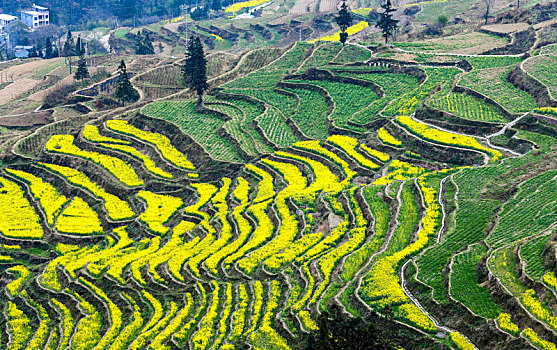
(505, 28)
(16, 89)
(303, 6)
(16, 72)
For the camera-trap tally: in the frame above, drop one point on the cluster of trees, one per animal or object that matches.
(85, 13)
(76, 48)
(385, 22)
(143, 44)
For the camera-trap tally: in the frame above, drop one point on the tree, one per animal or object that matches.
(81, 72)
(143, 44)
(48, 48)
(194, 71)
(344, 20)
(487, 8)
(79, 46)
(124, 89)
(69, 48)
(33, 52)
(148, 45)
(442, 20)
(386, 21)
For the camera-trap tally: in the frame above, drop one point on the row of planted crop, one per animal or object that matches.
(381, 286)
(164, 320)
(443, 137)
(121, 170)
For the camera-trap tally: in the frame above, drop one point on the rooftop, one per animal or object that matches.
(6, 17)
(40, 8)
(33, 13)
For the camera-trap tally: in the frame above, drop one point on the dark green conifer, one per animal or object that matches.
(194, 71)
(124, 89)
(344, 20)
(81, 72)
(386, 21)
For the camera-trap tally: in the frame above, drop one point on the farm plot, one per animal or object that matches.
(352, 53)
(533, 209)
(322, 55)
(395, 86)
(203, 130)
(348, 99)
(492, 83)
(468, 43)
(161, 247)
(438, 77)
(464, 285)
(543, 68)
(467, 107)
(311, 114)
(17, 89)
(234, 255)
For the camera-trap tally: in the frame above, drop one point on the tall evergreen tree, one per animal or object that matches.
(48, 49)
(79, 46)
(194, 71)
(344, 20)
(124, 89)
(386, 21)
(81, 72)
(69, 49)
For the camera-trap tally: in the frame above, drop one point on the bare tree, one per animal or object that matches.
(488, 4)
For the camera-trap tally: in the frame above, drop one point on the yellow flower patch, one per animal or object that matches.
(49, 198)
(15, 286)
(349, 144)
(460, 341)
(387, 138)
(91, 133)
(116, 208)
(17, 217)
(243, 4)
(145, 159)
(121, 170)
(444, 137)
(351, 31)
(161, 142)
(160, 209)
(79, 219)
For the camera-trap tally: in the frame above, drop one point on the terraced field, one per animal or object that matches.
(307, 181)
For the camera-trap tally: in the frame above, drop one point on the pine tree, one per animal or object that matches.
(124, 89)
(386, 21)
(194, 71)
(81, 72)
(79, 46)
(48, 49)
(139, 43)
(69, 49)
(344, 20)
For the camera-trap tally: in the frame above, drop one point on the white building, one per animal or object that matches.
(36, 17)
(5, 20)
